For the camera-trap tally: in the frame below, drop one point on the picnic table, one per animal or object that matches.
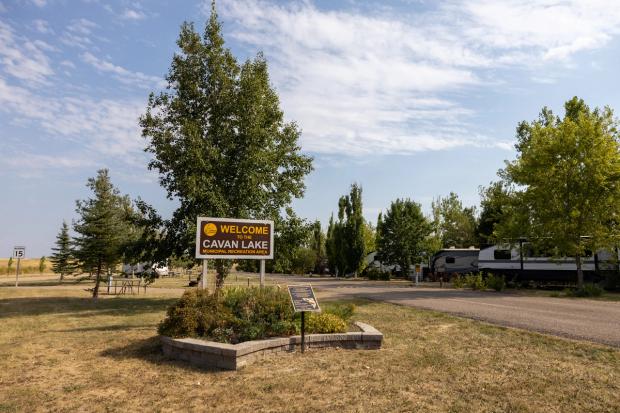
(120, 286)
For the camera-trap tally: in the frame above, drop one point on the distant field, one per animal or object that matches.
(62, 351)
(26, 266)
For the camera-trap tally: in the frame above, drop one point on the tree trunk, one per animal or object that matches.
(96, 289)
(579, 272)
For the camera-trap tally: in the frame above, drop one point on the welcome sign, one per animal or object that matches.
(233, 238)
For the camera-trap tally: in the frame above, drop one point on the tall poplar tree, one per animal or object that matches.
(563, 189)
(219, 140)
(62, 257)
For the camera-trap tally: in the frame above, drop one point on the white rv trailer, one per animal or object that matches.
(525, 266)
(451, 261)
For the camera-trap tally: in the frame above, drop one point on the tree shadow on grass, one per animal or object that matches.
(150, 350)
(77, 306)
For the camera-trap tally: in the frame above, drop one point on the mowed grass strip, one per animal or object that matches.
(62, 351)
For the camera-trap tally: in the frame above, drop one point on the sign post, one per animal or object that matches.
(303, 299)
(232, 238)
(418, 270)
(19, 252)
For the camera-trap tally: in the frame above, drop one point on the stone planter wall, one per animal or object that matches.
(202, 353)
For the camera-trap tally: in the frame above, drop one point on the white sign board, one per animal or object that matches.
(19, 252)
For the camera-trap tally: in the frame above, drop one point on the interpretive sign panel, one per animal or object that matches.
(233, 238)
(303, 298)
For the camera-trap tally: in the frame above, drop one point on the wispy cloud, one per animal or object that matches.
(387, 83)
(42, 26)
(78, 33)
(22, 58)
(103, 127)
(133, 14)
(137, 79)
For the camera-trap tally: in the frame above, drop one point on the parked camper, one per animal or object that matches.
(525, 264)
(161, 270)
(448, 262)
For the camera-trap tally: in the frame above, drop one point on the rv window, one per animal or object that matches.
(449, 260)
(501, 254)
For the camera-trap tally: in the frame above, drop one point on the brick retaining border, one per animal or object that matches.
(202, 353)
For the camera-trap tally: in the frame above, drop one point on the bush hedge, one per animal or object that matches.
(236, 314)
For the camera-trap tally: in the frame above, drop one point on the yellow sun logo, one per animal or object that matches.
(210, 229)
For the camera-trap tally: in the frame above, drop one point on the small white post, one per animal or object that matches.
(262, 273)
(203, 278)
(17, 273)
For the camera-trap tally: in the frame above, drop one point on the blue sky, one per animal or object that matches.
(409, 98)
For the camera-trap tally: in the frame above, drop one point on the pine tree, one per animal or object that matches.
(219, 140)
(62, 258)
(101, 228)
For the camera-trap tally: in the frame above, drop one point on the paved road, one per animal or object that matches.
(591, 320)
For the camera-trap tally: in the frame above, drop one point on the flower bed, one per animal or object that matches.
(211, 354)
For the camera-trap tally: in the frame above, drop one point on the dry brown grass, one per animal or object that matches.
(64, 352)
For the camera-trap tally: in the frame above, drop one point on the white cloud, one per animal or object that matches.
(123, 75)
(42, 26)
(105, 127)
(78, 33)
(130, 14)
(39, 3)
(22, 58)
(386, 83)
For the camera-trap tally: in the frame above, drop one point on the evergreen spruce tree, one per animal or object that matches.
(219, 140)
(62, 257)
(100, 229)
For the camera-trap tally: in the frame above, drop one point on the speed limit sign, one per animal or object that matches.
(19, 252)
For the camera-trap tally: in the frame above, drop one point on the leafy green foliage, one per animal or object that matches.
(42, 264)
(346, 241)
(492, 199)
(403, 231)
(219, 140)
(587, 290)
(564, 184)
(9, 265)
(234, 315)
(454, 224)
(231, 315)
(323, 323)
(496, 282)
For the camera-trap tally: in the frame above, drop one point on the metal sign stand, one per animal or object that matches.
(17, 273)
(262, 273)
(303, 330)
(203, 277)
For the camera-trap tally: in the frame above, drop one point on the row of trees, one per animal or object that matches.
(220, 144)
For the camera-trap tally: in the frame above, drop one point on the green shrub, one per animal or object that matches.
(612, 281)
(458, 281)
(374, 274)
(475, 282)
(588, 290)
(322, 323)
(496, 282)
(232, 315)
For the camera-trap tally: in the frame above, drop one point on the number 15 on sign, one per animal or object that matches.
(19, 252)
